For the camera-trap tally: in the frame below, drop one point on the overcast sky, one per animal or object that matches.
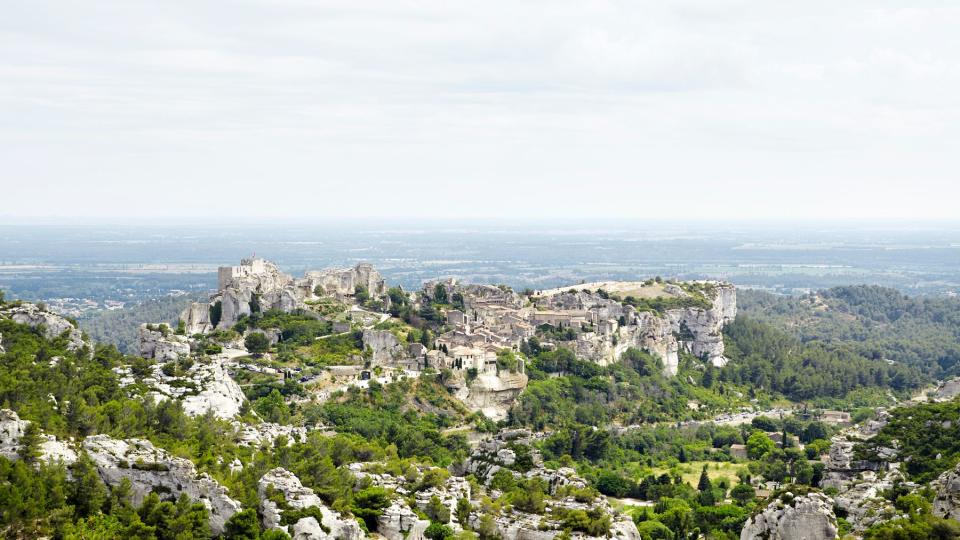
(313, 109)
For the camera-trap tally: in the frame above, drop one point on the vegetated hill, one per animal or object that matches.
(871, 321)
(119, 327)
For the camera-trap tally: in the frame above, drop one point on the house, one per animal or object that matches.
(738, 451)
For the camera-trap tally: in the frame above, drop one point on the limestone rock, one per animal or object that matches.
(196, 318)
(947, 501)
(385, 346)
(152, 469)
(53, 325)
(219, 393)
(806, 517)
(399, 522)
(493, 394)
(12, 429)
(298, 497)
(160, 343)
(343, 282)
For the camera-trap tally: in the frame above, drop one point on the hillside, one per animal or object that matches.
(873, 322)
(119, 327)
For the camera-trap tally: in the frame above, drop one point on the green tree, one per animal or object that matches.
(243, 525)
(743, 494)
(704, 483)
(29, 450)
(463, 511)
(368, 505)
(87, 492)
(437, 511)
(759, 444)
(257, 343)
(440, 294)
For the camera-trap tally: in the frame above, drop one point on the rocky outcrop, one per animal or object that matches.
(947, 390)
(219, 393)
(258, 285)
(196, 318)
(947, 488)
(267, 433)
(399, 522)
(51, 324)
(51, 449)
(11, 429)
(343, 282)
(384, 345)
(490, 393)
(152, 469)
(619, 327)
(159, 342)
(298, 497)
(805, 517)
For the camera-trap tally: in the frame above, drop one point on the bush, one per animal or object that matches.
(257, 343)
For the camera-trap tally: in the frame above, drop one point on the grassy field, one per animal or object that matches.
(691, 471)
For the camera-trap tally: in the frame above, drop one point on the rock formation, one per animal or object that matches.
(219, 393)
(490, 393)
(259, 285)
(298, 497)
(384, 345)
(53, 325)
(152, 469)
(947, 501)
(12, 429)
(618, 327)
(805, 517)
(399, 522)
(160, 343)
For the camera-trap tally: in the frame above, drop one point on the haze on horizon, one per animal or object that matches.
(696, 109)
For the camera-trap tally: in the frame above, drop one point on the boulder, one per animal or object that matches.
(152, 469)
(298, 497)
(805, 517)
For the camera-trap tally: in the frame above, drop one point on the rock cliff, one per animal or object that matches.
(152, 469)
(52, 325)
(619, 327)
(490, 393)
(805, 517)
(160, 343)
(333, 526)
(259, 285)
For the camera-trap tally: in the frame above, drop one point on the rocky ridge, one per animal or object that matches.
(293, 496)
(803, 517)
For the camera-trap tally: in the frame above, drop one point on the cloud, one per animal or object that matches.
(712, 108)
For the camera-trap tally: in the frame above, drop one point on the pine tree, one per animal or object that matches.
(29, 450)
(704, 484)
(88, 494)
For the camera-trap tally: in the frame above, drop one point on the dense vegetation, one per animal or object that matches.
(872, 322)
(119, 327)
(927, 433)
(766, 358)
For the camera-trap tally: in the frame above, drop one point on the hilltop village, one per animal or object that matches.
(473, 331)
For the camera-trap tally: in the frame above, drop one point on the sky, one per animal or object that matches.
(309, 109)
